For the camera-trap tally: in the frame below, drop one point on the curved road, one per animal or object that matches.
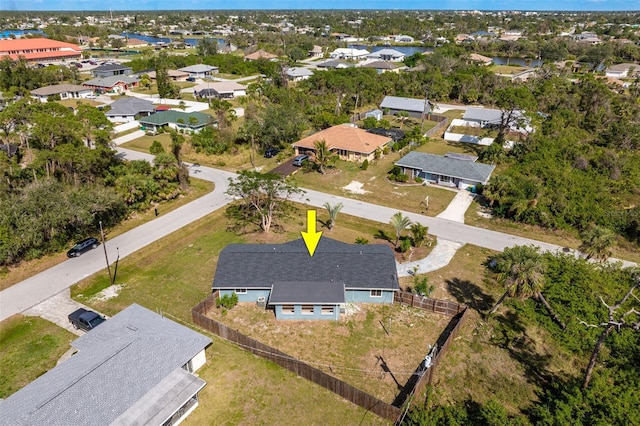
(32, 291)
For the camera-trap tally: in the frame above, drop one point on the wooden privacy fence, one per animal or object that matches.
(443, 307)
(344, 389)
(442, 123)
(447, 336)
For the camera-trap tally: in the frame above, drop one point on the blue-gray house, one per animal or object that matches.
(283, 277)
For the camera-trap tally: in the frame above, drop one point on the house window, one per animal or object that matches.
(327, 310)
(241, 291)
(376, 293)
(445, 178)
(288, 309)
(307, 309)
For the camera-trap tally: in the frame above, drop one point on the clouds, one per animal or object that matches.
(122, 5)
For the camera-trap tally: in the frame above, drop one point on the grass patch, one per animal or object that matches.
(507, 69)
(475, 216)
(29, 347)
(352, 349)
(474, 131)
(500, 356)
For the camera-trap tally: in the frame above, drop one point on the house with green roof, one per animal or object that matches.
(178, 120)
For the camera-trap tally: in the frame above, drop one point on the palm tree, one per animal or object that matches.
(597, 242)
(400, 223)
(419, 233)
(520, 270)
(333, 213)
(324, 157)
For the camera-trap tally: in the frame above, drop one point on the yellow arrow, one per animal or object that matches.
(311, 237)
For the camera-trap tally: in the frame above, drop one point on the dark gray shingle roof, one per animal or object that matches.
(327, 293)
(130, 106)
(117, 364)
(437, 164)
(358, 266)
(110, 67)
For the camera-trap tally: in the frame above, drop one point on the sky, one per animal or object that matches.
(119, 5)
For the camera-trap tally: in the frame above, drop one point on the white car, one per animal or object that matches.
(91, 96)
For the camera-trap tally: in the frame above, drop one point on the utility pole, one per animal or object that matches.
(424, 110)
(104, 246)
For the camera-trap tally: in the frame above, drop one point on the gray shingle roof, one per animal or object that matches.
(299, 72)
(199, 68)
(165, 117)
(483, 114)
(130, 106)
(111, 80)
(358, 266)
(453, 167)
(110, 67)
(320, 293)
(405, 104)
(117, 364)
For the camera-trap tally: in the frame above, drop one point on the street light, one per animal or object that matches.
(104, 246)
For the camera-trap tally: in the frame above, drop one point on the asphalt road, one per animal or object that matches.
(32, 291)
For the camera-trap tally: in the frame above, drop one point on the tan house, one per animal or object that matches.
(480, 59)
(174, 75)
(260, 54)
(348, 141)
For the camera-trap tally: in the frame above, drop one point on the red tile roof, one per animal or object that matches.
(345, 137)
(32, 49)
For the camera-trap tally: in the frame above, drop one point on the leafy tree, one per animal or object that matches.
(166, 89)
(399, 223)
(520, 270)
(513, 102)
(333, 211)
(615, 321)
(156, 148)
(177, 140)
(597, 242)
(264, 196)
(207, 47)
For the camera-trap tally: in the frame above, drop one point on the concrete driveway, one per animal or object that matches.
(56, 309)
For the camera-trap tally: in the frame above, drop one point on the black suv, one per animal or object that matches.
(83, 246)
(271, 152)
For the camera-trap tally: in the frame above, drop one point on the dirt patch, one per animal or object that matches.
(376, 348)
(109, 292)
(355, 187)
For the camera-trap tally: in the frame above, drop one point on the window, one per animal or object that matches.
(445, 178)
(327, 310)
(307, 309)
(376, 293)
(241, 291)
(288, 309)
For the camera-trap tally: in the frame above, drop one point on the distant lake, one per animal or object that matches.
(407, 50)
(155, 40)
(19, 33)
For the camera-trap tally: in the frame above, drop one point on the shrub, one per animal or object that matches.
(227, 301)
(405, 245)
(362, 240)
(401, 178)
(156, 148)
(421, 286)
(418, 179)
(365, 164)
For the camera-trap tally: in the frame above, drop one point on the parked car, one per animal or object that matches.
(91, 96)
(271, 152)
(85, 320)
(192, 79)
(299, 160)
(82, 247)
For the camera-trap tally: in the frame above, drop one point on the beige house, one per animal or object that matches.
(348, 141)
(260, 54)
(174, 75)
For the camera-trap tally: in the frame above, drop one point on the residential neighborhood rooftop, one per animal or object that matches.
(449, 166)
(365, 266)
(135, 355)
(346, 137)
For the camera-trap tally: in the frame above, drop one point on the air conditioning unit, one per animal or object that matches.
(262, 302)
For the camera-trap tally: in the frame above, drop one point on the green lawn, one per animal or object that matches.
(29, 347)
